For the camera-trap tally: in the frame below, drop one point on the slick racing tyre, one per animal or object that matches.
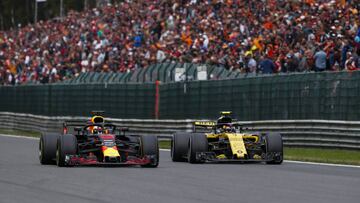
(179, 146)
(66, 145)
(150, 148)
(47, 148)
(197, 143)
(274, 145)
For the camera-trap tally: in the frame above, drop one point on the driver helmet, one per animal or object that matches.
(225, 123)
(227, 127)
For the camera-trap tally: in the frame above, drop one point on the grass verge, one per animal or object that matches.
(164, 144)
(335, 156)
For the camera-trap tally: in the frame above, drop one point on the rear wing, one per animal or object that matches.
(72, 125)
(204, 124)
(211, 125)
(77, 126)
(69, 126)
(97, 113)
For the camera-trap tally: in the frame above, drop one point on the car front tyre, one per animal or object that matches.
(47, 148)
(66, 145)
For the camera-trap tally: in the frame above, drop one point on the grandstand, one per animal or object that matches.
(244, 37)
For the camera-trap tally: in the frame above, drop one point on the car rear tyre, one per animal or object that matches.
(274, 145)
(47, 148)
(150, 148)
(180, 146)
(197, 143)
(66, 145)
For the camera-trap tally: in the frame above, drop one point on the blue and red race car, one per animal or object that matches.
(98, 143)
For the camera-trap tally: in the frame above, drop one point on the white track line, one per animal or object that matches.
(321, 164)
(168, 150)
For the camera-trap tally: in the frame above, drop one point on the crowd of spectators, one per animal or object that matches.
(264, 36)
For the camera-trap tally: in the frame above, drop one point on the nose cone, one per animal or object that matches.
(110, 151)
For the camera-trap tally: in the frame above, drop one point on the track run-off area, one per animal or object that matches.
(23, 179)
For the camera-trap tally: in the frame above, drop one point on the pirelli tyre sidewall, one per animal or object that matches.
(150, 147)
(274, 145)
(197, 143)
(47, 148)
(180, 146)
(66, 145)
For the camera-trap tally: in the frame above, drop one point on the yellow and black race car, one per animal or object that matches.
(226, 142)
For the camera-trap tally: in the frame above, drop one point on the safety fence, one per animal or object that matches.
(326, 96)
(164, 72)
(322, 96)
(297, 133)
(130, 101)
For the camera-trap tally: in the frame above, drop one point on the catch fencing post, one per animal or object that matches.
(157, 98)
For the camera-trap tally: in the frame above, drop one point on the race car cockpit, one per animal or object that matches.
(97, 125)
(224, 123)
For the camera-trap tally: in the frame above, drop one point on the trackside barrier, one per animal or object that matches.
(321, 96)
(297, 133)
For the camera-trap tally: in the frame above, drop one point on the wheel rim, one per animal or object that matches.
(172, 148)
(189, 152)
(57, 156)
(40, 150)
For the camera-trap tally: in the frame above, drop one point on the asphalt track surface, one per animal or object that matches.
(23, 179)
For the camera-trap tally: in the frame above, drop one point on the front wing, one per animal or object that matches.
(211, 157)
(76, 160)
